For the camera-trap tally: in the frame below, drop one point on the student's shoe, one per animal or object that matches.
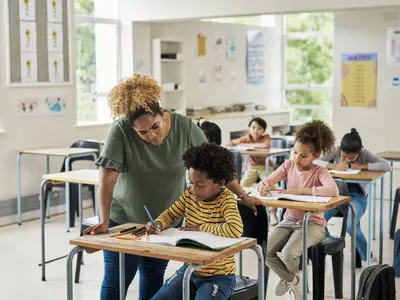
(282, 288)
(273, 220)
(295, 290)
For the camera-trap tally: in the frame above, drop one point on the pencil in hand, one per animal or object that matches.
(259, 177)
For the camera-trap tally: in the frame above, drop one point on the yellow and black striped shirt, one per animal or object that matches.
(220, 217)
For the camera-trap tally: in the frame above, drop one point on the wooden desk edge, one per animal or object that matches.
(147, 253)
(307, 206)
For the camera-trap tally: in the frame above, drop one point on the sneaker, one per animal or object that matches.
(273, 220)
(282, 287)
(295, 290)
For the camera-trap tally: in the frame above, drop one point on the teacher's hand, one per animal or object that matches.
(252, 202)
(96, 229)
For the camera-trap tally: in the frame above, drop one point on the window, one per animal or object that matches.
(307, 80)
(98, 67)
(263, 20)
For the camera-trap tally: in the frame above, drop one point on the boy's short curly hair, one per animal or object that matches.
(317, 135)
(215, 160)
(135, 96)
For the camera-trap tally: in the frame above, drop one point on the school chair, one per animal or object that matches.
(393, 223)
(253, 227)
(280, 143)
(74, 187)
(332, 246)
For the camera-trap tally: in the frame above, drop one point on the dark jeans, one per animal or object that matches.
(151, 272)
(218, 287)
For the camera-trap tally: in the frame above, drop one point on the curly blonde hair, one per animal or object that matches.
(139, 92)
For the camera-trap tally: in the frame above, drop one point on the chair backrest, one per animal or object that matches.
(254, 226)
(279, 143)
(88, 144)
(343, 209)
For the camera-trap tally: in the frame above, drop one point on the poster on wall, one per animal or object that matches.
(255, 65)
(201, 80)
(28, 108)
(27, 10)
(359, 80)
(54, 11)
(393, 46)
(54, 106)
(201, 45)
(219, 46)
(54, 37)
(27, 36)
(29, 67)
(231, 48)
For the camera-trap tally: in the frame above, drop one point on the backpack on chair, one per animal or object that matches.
(377, 283)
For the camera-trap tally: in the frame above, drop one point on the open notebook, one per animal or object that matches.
(345, 172)
(301, 198)
(176, 237)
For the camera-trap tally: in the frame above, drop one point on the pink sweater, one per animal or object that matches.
(317, 178)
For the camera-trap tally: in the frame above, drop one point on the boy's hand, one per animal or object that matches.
(151, 229)
(190, 228)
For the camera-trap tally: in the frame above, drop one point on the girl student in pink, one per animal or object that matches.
(302, 178)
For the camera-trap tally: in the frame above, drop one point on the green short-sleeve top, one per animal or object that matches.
(148, 175)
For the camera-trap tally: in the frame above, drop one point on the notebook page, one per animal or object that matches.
(301, 198)
(348, 172)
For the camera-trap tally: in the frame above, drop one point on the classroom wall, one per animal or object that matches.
(227, 91)
(31, 132)
(194, 9)
(365, 31)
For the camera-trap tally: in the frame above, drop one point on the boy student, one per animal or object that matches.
(206, 206)
(260, 138)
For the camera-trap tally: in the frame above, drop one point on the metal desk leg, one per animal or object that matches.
(67, 194)
(19, 188)
(80, 204)
(121, 276)
(390, 193)
(353, 251)
(381, 222)
(186, 281)
(48, 196)
(305, 254)
(240, 264)
(70, 290)
(42, 235)
(369, 236)
(374, 214)
(261, 267)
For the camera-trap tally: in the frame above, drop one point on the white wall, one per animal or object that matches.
(21, 133)
(193, 9)
(365, 31)
(222, 93)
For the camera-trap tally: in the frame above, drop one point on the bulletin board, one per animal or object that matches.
(38, 48)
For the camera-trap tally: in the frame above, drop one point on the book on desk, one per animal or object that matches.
(176, 237)
(281, 196)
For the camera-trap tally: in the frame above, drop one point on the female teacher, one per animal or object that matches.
(141, 164)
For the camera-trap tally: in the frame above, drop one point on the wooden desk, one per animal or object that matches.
(311, 208)
(194, 256)
(68, 153)
(391, 157)
(86, 176)
(370, 178)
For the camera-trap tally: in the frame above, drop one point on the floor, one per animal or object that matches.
(20, 277)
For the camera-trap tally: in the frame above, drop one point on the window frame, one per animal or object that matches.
(87, 19)
(286, 36)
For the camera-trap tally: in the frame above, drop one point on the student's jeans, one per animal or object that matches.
(218, 287)
(151, 271)
(360, 205)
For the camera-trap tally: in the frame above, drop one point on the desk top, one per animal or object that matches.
(308, 206)
(59, 151)
(390, 155)
(266, 152)
(85, 176)
(195, 256)
(362, 176)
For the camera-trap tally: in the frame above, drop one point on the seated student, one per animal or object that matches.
(207, 206)
(260, 138)
(302, 178)
(351, 154)
(211, 131)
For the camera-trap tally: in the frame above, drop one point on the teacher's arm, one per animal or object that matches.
(111, 162)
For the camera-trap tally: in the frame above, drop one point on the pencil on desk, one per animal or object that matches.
(147, 236)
